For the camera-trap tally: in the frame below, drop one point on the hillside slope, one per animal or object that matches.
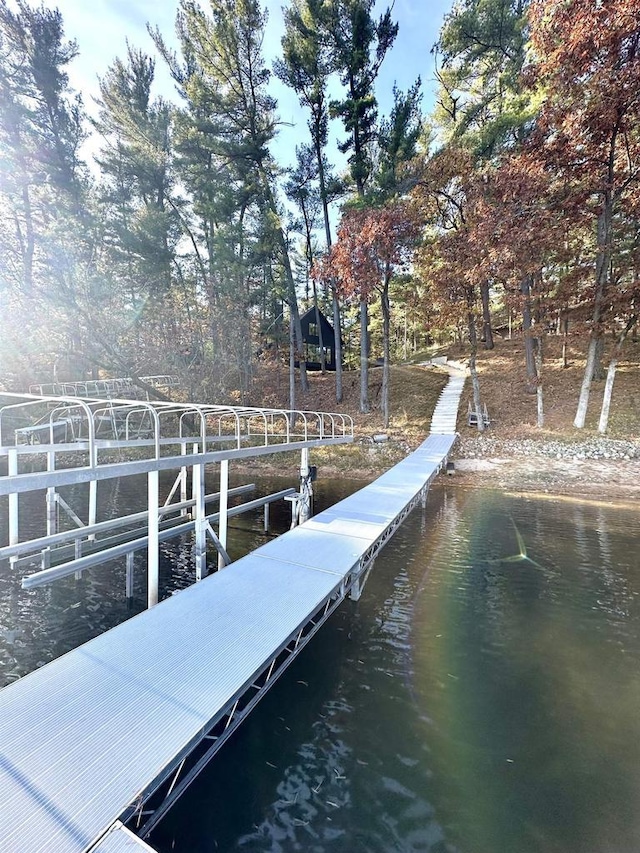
(513, 411)
(513, 452)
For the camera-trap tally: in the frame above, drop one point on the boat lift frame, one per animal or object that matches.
(113, 387)
(88, 433)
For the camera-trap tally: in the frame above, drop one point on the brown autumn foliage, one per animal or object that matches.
(587, 136)
(373, 245)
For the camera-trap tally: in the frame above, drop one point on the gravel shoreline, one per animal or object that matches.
(600, 469)
(592, 448)
(596, 468)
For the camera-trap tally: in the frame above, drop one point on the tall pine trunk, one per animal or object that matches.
(611, 375)
(386, 324)
(487, 332)
(292, 298)
(539, 394)
(475, 382)
(337, 339)
(323, 366)
(602, 272)
(564, 325)
(527, 324)
(364, 357)
(337, 344)
(292, 364)
(299, 343)
(603, 261)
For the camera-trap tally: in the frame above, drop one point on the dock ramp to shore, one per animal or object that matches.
(97, 745)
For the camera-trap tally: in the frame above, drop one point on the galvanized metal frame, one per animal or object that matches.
(155, 427)
(102, 387)
(191, 762)
(31, 547)
(79, 563)
(86, 416)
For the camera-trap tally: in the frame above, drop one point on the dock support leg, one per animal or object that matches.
(183, 481)
(129, 577)
(360, 581)
(93, 505)
(194, 451)
(52, 506)
(153, 572)
(224, 506)
(200, 530)
(293, 500)
(14, 534)
(266, 518)
(77, 553)
(424, 498)
(306, 488)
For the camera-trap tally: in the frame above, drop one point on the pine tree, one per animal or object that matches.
(136, 169)
(226, 126)
(306, 67)
(358, 45)
(42, 184)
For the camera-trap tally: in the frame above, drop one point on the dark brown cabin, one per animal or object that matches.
(311, 340)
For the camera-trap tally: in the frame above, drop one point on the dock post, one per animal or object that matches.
(224, 506)
(14, 534)
(294, 500)
(153, 571)
(306, 488)
(77, 553)
(52, 507)
(183, 480)
(129, 576)
(93, 505)
(360, 581)
(194, 451)
(200, 530)
(266, 518)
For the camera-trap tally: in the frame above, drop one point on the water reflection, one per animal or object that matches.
(539, 696)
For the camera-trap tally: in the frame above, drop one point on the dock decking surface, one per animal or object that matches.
(120, 840)
(85, 736)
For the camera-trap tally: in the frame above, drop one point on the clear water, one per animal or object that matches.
(482, 697)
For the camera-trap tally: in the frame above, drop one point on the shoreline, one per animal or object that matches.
(594, 468)
(607, 481)
(598, 480)
(591, 467)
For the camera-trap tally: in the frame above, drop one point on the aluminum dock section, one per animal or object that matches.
(108, 735)
(119, 839)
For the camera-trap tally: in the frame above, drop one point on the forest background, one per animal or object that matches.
(185, 247)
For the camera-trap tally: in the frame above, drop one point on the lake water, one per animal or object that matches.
(481, 697)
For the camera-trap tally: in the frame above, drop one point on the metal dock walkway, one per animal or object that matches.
(112, 732)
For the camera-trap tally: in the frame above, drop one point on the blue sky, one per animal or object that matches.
(102, 27)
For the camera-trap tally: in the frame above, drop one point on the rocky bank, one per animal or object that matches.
(595, 468)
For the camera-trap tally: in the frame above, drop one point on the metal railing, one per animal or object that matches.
(67, 424)
(102, 387)
(86, 440)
